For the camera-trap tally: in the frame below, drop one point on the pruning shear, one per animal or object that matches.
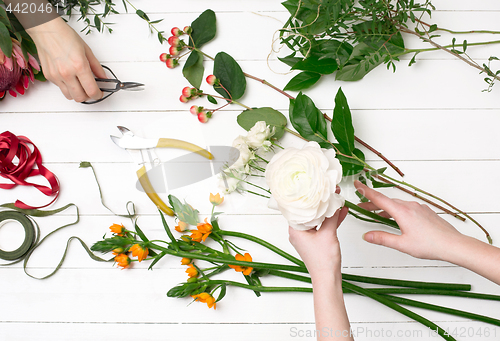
(136, 146)
(112, 85)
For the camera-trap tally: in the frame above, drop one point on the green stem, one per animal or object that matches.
(265, 190)
(295, 134)
(440, 292)
(401, 283)
(261, 195)
(372, 215)
(385, 301)
(456, 312)
(265, 244)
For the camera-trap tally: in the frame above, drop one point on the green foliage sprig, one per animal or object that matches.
(351, 38)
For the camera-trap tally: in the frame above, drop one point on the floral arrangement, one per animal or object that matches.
(207, 252)
(18, 67)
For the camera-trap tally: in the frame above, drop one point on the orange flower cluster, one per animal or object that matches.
(202, 232)
(216, 199)
(182, 226)
(245, 269)
(205, 297)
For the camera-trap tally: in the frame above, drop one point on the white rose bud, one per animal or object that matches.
(258, 136)
(303, 183)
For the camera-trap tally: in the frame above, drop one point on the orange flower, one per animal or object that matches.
(191, 271)
(245, 269)
(185, 261)
(182, 226)
(216, 200)
(119, 230)
(205, 297)
(202, 232)
(122, 260)
(139, 252)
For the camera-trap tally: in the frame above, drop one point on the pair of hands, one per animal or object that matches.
(423, 233)
(67, 61)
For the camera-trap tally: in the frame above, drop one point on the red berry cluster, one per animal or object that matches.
(203, 115)
(176, 46)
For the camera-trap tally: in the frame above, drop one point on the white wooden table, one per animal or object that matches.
(431, 119)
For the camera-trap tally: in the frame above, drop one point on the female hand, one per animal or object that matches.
(423, 233)
(320, 249)
(67, 61)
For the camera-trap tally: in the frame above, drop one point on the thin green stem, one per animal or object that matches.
(386, 221)
(265, 244)
(259, 288)
(261, 195)
(259, 187)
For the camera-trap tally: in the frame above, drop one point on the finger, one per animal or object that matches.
(385, 215)
(64, 89)
(342, 215)
(369, 206)
(382, 238)
(89, 85)
(378, 198)
(76, 90)
(95, 65)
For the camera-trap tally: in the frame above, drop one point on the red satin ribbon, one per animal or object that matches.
(12, 146)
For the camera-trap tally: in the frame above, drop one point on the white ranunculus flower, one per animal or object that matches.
(303, 183)
(258, 136)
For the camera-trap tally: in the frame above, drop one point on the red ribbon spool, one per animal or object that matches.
(12, 146)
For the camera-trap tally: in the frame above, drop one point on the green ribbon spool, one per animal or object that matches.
(29, 234)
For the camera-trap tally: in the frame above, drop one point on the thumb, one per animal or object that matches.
(382, 238)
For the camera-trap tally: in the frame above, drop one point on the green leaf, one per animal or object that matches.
(352, 166)
(211, 99)
(323, 66)
(97, 23)
(204, 28)
(230, 75)
(359, 64)
(342, 127)
(308, 120)
(4, 18)
(273, 118)
(85, 164)
(184, 212)
(334, 49)
(5, 41)
(290, 60)
(302, 81)
(142, 14)
(193, 69)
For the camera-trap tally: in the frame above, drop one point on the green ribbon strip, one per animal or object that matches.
(32, 236)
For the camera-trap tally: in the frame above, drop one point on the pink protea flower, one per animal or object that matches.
(176, 31)
(15, 72)
(211, 80)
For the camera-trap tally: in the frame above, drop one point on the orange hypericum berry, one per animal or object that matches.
(183, 99)
(191, 271)
(195, 110)
(216, 199)
(122, 260)
(140, 252)
(187, 29)
(205, 297)
(186, 261)
(188, 92)
(182, 226)
(117, 229)
(245, 269)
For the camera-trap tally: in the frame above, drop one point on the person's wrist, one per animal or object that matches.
(457, 249)
(50, 26)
